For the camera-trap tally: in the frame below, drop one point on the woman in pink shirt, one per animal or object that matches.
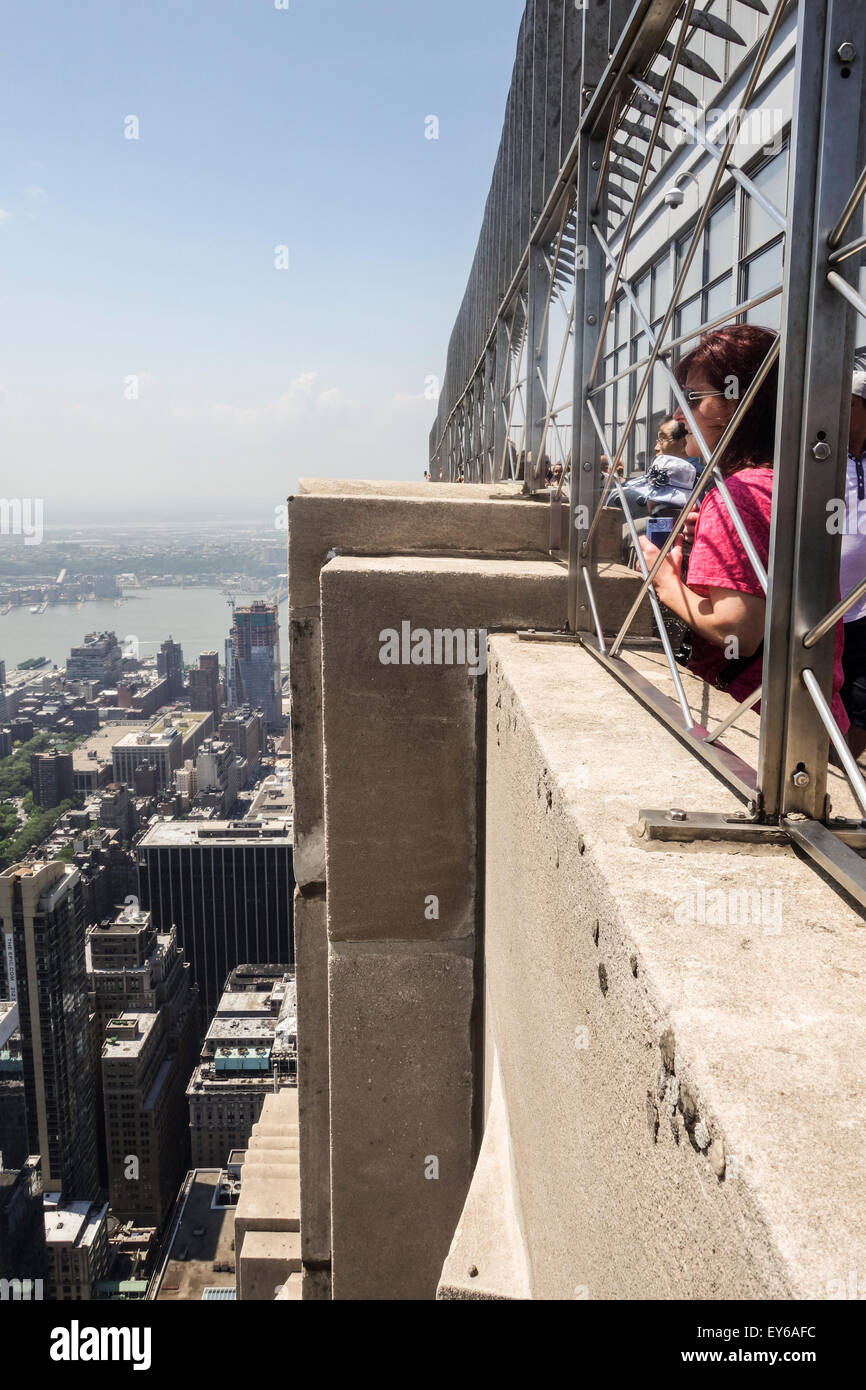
(722, 598)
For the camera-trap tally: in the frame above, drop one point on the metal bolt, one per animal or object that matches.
(675, 813)
(591, 319)
(596, 164)
(587, 466)
(821, 450)
(800, 779)
(846, 53)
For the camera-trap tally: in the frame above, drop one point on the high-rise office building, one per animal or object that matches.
(76, 1237)
(51, 778)
(144, 1095)
(5, 743)
(14, 1142)
(227, 887)
(255, 661)
(216, 773)
(169, 666)
(250, 1048)
(22, 1234)
(97, 661)
(132, 967)
(42, 968)
(204, 684)
(244, 729)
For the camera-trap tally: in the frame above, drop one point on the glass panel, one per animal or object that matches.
(772, 180)
(642, 293)
(695, 277)
(661, 286)
(718, 299)
(720, 240)
(762, 273)
(689, 321)
(621, 317)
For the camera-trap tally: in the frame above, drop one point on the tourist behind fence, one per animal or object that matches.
(671, 438)
(723, 602)
(853, 569)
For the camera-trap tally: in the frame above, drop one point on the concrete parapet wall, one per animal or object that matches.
(404, 753)
(376, 519)
(681, 1031)
(359, 518)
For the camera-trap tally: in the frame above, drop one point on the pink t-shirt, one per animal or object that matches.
(718, 561)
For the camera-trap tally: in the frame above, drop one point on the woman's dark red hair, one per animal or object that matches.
(738, 352)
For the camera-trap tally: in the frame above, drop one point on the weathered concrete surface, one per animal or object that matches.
(268, 1214)
(401, 1103)
(311, 959)
(488, 1258)
(270, 1258)
(685, 1075)
(361, 518)
(402, 741)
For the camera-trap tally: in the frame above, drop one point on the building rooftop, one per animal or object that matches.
(162, 737)
(249, 1002)
(274, 798)
(126, 1035)
(241, 1030)
(71, 1223)
(170, 833)
(98, 747)
(201, 1237)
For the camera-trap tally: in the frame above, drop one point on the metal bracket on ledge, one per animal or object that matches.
(676, 825)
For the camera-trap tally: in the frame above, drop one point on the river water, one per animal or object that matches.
(199, 619)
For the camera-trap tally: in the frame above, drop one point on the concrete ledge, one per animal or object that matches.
(684, 1083)
(268, 1260)
(361, 518)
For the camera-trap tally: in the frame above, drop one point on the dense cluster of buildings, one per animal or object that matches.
(147, 995)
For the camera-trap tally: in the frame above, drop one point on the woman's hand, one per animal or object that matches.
(672, 568)
(691, 520)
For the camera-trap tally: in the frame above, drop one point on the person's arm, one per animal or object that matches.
(718, 616)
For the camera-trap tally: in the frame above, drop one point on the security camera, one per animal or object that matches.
(674, 196)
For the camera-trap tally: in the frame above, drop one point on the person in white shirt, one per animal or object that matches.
(853, 569)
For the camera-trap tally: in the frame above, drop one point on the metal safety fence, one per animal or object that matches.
(758, 111)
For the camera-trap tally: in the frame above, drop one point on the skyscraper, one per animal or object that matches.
(42, 967)
(133, 969)
(255, 658)
(97, 661)
(169, 666)
(227, 887)
(51, 778)
(204, 684)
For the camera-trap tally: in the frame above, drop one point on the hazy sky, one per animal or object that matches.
(150, 345)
